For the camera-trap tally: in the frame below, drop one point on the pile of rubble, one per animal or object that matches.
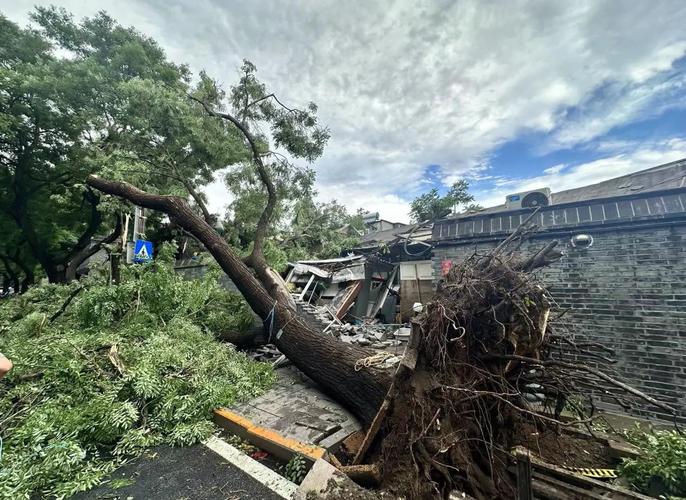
(375, 336)
(371, 334)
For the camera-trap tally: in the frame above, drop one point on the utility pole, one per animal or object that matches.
(139, 219)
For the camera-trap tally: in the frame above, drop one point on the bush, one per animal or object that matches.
(661, 466)
(124, 368)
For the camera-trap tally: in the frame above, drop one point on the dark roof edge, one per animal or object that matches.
(591, 201)
(633, 223)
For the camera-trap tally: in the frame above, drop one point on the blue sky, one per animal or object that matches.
(510, 95)
(655, 129)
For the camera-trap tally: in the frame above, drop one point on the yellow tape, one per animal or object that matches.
(596, 473)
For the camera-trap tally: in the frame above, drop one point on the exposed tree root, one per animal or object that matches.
(485, 347)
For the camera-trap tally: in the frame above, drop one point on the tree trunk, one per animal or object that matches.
(11, 275)
(326, 360)
(86, 252)
(115, 267)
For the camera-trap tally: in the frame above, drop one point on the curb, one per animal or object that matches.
(261, 473)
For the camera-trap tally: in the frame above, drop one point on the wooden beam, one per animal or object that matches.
(267, 439)
(302, 295)
(365, 475)
(373, 429)
(524, 491)
(348, 300)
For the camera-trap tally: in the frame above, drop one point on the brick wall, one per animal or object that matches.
(628, 291)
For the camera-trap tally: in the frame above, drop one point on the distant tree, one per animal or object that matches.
(321, 230)
(431, 205)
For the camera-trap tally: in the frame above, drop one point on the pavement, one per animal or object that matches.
(188, 473)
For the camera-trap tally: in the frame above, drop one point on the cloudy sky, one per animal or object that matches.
(511, 95)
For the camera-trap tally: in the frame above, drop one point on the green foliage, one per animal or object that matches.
(67, 101)
(296, 469)
(125, 367)
(321, 230)
(93, 97)
(432, 206)
(277, 129)
(250, 198)
(662, 463)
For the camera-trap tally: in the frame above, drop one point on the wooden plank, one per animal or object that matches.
(348, 300)
(586, 482)
(267, 439)
(566, 489)
(384, 293)
(309, 282)
(419, 285)
(524, 491)
(373, 429)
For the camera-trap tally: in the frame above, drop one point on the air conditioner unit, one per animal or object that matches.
(528, 199)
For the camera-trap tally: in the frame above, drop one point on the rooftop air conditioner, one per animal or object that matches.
(528, 199)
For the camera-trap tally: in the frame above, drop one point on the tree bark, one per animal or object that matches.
(11, 275)
(84, 253)
(327, 361)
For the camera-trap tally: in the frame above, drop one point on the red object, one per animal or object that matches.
(446, 266)
(259, 455)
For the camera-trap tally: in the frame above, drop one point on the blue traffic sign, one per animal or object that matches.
(142, 251)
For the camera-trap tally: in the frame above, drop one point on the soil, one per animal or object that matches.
(565, 450)
(338, 491)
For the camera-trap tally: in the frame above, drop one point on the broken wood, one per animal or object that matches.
(365, 475)
(524, 490)
(113, 356)
(373, 429)
(267, 439)
(352, 292)
(573, 483)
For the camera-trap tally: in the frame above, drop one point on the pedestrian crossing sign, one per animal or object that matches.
(142, 251)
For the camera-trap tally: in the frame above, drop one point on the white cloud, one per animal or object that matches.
(640, 158)
(218, 197)
(555, 169)
(407, 84)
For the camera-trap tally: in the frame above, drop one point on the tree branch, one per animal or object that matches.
(256, 258)
(90, 250)
(290, 110)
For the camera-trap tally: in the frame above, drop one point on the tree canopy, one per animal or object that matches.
(94, 97)
(431, 205)
(78, 98)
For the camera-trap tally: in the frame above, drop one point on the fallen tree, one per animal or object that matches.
(488, 371)
(323, 358)
(451, 414)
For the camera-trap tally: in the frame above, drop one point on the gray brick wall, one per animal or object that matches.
(628, 291)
